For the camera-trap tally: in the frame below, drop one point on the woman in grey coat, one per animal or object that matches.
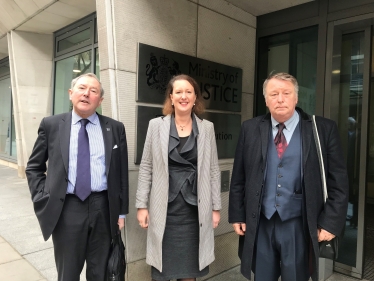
(178, 195)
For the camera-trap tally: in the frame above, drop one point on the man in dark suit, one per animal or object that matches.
(276, 200)
(82, 198)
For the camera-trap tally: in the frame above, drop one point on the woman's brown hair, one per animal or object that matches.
(168, 108)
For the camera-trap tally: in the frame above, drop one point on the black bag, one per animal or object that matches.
(116, 263)
(329, 249)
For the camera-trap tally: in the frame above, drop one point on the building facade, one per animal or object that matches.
(325, 44)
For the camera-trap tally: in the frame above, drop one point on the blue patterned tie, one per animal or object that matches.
(83, 182)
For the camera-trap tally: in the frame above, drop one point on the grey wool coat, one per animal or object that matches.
(153, 187)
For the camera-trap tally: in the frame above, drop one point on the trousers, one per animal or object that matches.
(82, 234)
(281, 250)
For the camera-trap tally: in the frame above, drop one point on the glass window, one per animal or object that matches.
(97, 72)
(76, 54)
(66, 70)
(349, 123)
(4, 69)
(5, 115)
(13, 148)
(294, 52)
(97, 63)
(80, 38)
(7, 132)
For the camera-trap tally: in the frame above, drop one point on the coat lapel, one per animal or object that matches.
(200, 144)
(164, 140)
(264, 132)
(64, 131)
(107, 130)
(307, 136)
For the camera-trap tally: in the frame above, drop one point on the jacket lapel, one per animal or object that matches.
(64, 131)
(164, 140)
(107, 130)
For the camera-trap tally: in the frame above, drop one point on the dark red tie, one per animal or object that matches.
(280, 140)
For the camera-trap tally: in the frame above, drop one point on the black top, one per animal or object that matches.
(183, 164)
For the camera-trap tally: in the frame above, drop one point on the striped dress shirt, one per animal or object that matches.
(97, 153)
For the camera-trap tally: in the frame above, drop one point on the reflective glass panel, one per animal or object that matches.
(5, 116)
(369, 208)
(294, 52)
(350, 114)
(81, 38)
(13, 149)
(97, 72)
(4, 70)
(66, 70)
(97, 63)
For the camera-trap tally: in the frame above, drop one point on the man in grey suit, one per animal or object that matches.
(276, 200)
(82, 198)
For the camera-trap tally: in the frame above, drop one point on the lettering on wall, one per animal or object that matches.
(221, 87)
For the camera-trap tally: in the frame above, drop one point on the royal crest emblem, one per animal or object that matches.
(158, 75)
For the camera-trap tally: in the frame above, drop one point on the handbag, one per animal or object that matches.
(116, 264)
(327, 249)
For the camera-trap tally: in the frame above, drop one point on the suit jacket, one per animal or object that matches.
(48, 191)
(153, 187)
(248, 180)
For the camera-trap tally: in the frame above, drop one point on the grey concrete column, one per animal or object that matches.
(30, 59)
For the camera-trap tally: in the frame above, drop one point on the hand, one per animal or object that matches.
(143, 217)
(239, 228)
(121, 223)
(324, 235)
(216, 218)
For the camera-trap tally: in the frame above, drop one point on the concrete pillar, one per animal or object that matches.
(212, 30)
(31, 62)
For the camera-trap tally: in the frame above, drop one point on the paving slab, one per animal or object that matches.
(19, 270)
(42, 260)
(8, 254)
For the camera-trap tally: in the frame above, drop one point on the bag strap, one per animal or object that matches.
(320, 158)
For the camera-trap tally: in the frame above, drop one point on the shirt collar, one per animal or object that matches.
(290, 123)
(75, 118)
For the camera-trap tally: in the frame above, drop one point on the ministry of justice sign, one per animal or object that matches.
(221, 85)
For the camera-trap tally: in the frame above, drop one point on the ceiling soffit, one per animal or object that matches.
(42, 16)
(261, 7)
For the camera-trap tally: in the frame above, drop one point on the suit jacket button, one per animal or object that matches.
(201, 225)
(62, 199)
(253, 215)
(257, 193)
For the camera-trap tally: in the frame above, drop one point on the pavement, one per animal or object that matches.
(25, 256)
